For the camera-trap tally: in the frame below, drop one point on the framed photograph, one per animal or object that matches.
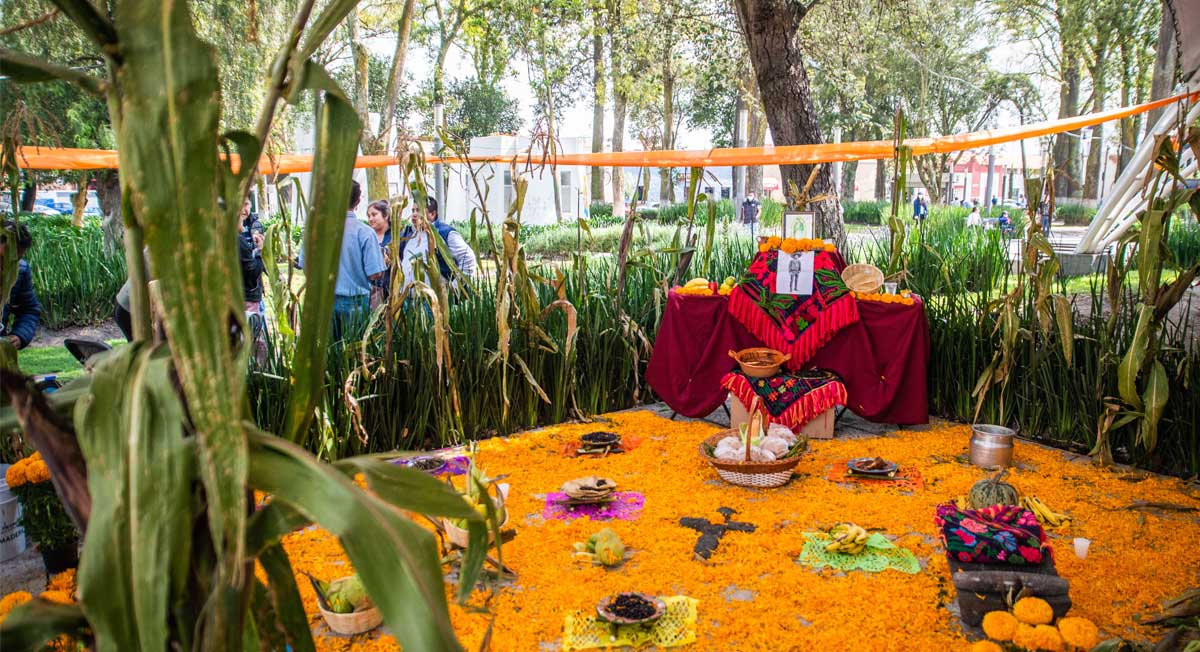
(795, 273)
(799, 224)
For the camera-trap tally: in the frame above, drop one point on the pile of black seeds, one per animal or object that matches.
(632, 607)
(427, 463)
(600, 438)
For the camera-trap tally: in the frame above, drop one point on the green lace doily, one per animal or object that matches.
(879, 555)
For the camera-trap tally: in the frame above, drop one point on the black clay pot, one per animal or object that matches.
(60, 559)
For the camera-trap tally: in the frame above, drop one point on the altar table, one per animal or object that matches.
(881, 359)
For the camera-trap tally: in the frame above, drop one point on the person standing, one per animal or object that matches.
(380, 221)
(250, 255)
(1044, 213)
(22, 307)
(974, 218)
(750, 209)
(414, 244)
(360, 269)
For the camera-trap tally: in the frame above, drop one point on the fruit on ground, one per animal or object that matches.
(993, 491)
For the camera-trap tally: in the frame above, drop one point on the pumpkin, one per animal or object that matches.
(992, 491)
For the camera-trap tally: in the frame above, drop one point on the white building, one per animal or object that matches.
(496, 180)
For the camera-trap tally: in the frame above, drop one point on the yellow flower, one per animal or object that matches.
(37, 471)
(830, 247)
(12, 601)
(773, 242)
(15, 475)
(1000, 625)
(1033, 611)
(1040, 637)
(64, 581)
(764, 248)
(986, 646)
(790, 246)
(57, 597)
(1078, 633)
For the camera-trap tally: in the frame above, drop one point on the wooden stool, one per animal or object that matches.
(820, 427)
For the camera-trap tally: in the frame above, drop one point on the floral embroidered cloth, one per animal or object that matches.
(625, 506)
(791, 399)
(1000, 534)
(795, 324)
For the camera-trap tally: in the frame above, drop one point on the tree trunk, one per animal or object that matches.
(380, 140)
(849, 175)
(756, 133)
(881, 181)
(1091, 175)
(772, 31)
(1166, 61)
(598, 100)
(620, 102)
(28, 193)
(666, 191)
(1066, 145)
(80, 199)
(1127, 127)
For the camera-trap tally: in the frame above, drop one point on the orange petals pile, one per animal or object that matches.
(29, 470)
(904, 298)
(793, 245)
(808, 609)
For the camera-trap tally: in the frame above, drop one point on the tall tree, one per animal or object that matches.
(599, 96)
(1135, 54)
(379, 138)
(620, 91)
(772, 28)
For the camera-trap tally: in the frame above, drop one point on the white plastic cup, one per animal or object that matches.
(890, 288)
(1081, 547)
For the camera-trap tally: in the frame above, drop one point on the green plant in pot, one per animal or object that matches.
(156, 459)
(43, 518)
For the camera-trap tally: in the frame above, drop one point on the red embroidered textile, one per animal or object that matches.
(791, 399)
(795, 324)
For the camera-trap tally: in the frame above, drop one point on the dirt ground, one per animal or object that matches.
(103, 332)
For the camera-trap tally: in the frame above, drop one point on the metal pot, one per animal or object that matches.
(991, 446)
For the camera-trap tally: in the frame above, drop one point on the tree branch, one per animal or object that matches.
(96, 26)
(26, 69)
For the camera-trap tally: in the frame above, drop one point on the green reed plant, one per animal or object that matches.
(76, 280)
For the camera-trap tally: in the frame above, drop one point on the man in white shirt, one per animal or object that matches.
(415, 243)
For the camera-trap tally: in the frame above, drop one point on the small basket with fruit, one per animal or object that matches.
(345, 605)
(479, 489)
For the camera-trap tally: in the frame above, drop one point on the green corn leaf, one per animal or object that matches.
(337, 128)
(1155, 399)
(171, 171)
(420, 492)
(1131, 364)
(89, 19)
(269, 524)
(1066, 326)
(327, 21)
(285, 598)
(31, 626)
(24, 68)
(396, 559)
(140, 472)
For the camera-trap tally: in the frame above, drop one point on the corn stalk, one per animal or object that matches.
(170, 549)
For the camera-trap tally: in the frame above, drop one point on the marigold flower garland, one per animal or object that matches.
(904, 298)
(793, 245)
(886, 611)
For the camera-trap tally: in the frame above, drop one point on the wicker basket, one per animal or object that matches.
(745, 473)
(768, 361)
(863, 278)
(459, 536)
(352, 623)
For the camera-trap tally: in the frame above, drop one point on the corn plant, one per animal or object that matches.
(171, 537)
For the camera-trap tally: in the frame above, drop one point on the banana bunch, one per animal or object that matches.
(698, 285)
(848, 538)
(1044, 514)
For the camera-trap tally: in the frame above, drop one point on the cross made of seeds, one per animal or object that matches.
(711, 533)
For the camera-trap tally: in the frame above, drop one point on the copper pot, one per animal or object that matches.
(991, 446)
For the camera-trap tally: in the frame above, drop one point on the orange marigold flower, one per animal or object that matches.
(1040, 637)
(57, 597)
(774, 241)
(37, 471)
(64, 581)
(1033, 611)
(790, 246)
(1078, 633)
(1000, 625)
(37, 455)
(986, 646)
(830, 247)
(13, 600)
(15, 475)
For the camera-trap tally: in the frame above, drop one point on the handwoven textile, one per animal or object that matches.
(906, 478)
(791, 399)
(677, 627)
(1000, 534)
(625, 506)
(879, 555)
(795, 324)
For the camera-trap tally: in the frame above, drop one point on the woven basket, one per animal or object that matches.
(459, 537)
(748, 474)
(352, 623)
(863, 278)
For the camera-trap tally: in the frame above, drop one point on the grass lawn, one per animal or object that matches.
(56, 360)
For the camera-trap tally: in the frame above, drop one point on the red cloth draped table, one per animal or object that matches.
(881, 358)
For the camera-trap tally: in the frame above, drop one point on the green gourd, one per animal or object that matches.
(992, 491)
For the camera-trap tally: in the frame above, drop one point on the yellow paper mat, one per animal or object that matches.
(677, 627)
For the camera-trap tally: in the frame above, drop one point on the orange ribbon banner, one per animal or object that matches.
(51, 158)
